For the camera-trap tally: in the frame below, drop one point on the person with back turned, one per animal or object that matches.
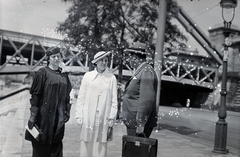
(139, 101)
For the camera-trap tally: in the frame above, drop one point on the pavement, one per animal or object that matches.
(14, 113)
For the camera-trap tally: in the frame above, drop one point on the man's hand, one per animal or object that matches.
(140, 129)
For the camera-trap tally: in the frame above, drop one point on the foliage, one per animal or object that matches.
(111, 25)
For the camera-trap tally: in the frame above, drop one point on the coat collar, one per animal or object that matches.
(104, 74)
(139, 68)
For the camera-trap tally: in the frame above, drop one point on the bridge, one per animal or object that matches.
(186, 71)
(24, 53)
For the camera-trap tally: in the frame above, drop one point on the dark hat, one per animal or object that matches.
(137, 48)
(100, 55)
(52, 50)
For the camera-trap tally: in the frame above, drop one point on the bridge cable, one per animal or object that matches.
(205, 11)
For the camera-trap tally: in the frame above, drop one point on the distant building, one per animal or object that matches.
(233, 75)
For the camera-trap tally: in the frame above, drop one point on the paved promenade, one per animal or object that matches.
(170, 144)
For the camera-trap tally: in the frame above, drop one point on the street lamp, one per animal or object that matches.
(228, 13)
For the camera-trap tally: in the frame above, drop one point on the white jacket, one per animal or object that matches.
(98, 93)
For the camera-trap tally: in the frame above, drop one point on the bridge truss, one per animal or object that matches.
(24, 53)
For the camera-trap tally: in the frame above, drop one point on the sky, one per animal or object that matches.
(206, 14)
(40, 17)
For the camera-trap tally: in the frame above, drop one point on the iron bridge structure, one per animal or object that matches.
(22, 53)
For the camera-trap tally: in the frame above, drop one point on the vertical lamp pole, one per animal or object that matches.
(228, 6)
(158, 58)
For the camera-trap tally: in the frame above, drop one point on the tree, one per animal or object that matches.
(112, 24)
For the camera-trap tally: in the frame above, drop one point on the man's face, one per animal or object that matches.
(133, 61)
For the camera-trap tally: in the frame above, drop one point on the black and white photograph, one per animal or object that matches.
(120, 78)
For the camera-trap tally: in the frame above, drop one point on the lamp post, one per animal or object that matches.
(159, 51)
(228, 13)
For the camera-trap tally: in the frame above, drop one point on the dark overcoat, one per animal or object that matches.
(50, 93)
(139, 101)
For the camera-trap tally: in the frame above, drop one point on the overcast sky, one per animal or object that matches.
(206, 14)
(40, 17)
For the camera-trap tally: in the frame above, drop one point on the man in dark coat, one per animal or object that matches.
(139, 101)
